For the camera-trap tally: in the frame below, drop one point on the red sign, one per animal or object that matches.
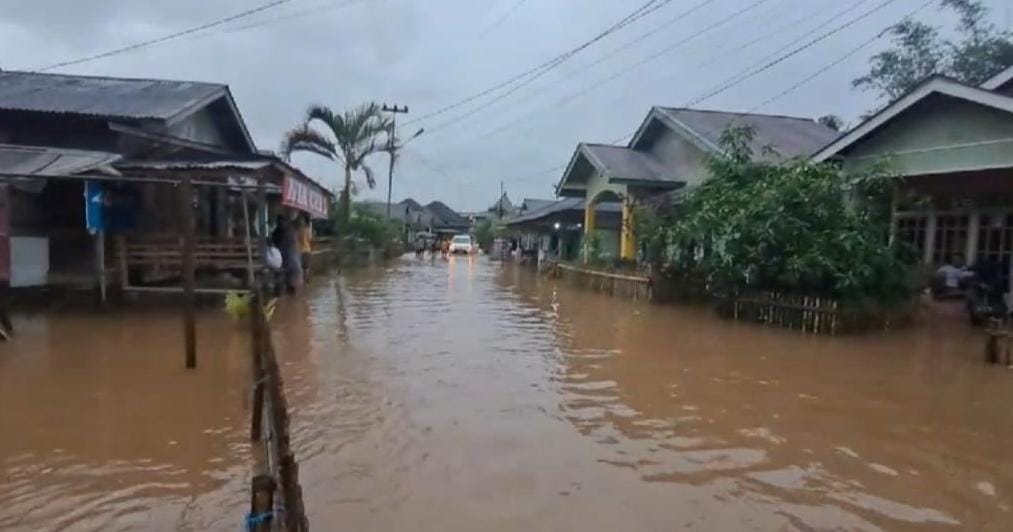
(304, 196)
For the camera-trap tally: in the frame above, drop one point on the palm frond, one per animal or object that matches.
(305, 138)
(370, 177)
(323, 114)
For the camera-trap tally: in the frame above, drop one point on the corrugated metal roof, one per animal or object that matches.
(45, 161)
(625, 163)
(102, 96)
(789, 136)
(532, 204)
(563, 205)
(196, 165)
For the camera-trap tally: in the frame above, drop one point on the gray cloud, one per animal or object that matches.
(429, 54)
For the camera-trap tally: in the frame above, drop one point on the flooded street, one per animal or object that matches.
(465, 395)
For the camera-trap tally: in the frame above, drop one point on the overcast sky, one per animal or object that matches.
(429, 54)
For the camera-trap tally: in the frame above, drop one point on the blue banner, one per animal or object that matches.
(94, 206)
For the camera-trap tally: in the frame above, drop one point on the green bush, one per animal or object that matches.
(367, 225)
(794, 226)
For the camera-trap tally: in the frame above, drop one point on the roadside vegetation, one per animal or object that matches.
(793, 226)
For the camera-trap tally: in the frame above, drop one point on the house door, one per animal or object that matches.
(995, 241)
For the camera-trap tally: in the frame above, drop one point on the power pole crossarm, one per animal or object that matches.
(392, 146)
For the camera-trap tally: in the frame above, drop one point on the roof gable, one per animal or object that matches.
(932, 85)
(999, 81)
(442, 213)
(787, 136)
(132, 99)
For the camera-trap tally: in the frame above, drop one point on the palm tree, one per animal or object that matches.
(353, 138)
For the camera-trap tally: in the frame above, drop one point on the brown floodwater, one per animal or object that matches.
(465, 395)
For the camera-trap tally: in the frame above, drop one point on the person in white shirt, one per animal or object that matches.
(952, 276)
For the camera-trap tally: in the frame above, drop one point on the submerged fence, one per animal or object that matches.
(633, 286)
(808, 314)
(819, 315)
(276, 497)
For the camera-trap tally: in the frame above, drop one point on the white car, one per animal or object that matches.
(462, 244)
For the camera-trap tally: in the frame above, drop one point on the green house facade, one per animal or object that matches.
(952, 146)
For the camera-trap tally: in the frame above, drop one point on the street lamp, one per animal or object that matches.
(393, 147)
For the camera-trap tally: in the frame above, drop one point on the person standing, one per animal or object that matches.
(305, 236)
(284, 238)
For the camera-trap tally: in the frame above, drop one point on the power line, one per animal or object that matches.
(839, 60)
(547, 65)
(616, 75)
(834, 17)
(792, 53)
(327, 6)
(601, 59)
(784, 57)
(164, 38)
(506, 14)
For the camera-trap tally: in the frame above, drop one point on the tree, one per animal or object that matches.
(833, 122)
(485, 232)
(353, 137)
(919, 50)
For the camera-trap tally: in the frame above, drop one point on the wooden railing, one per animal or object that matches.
(166, 252)
(276, 502)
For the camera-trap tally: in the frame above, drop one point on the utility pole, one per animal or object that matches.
(392, 147)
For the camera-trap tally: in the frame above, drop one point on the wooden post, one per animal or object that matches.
(261, 504)
(100, 264)
(121, 245)
(189, 328)
(257, 349)
(261, 218)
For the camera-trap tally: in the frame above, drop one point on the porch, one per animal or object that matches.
(963, 216)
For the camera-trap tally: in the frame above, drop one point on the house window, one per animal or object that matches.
(995, 236)
(911, 230)
(951, 237)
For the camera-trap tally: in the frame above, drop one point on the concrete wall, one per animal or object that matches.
(939, 135)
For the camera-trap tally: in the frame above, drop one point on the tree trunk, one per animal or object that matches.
(345, 201)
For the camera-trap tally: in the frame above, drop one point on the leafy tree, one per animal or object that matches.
(793, 226)
(484, 234)
(353, 137)
(919, 50)
(833, 122)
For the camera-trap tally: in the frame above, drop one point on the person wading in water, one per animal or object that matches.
(284, 238)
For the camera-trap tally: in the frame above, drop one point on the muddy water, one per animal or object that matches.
(465, 396)
(101, 428)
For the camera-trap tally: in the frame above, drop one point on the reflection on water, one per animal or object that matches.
(103, 429)
(464, 395)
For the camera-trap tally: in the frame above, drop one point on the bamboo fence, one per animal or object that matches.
(616, 284)
(809, 314)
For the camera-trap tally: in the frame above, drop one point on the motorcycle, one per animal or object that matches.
(984, 302)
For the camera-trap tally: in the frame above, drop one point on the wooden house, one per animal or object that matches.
(128, 145)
